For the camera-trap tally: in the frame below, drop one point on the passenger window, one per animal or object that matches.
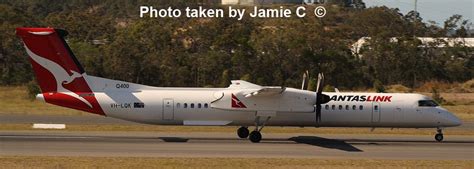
(361, 107)
(199, 105)
(178, 105)
(333, 107)
(205, 105)
(340, 107)
(192, 105)
(354, 107)
(326, 107)
(347, 107)
(185, 105)
(376, 107)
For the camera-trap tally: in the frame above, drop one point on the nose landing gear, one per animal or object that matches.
(439, 136)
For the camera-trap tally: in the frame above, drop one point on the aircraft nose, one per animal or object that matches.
(452, 120)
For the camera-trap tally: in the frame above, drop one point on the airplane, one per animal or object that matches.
(64, 82)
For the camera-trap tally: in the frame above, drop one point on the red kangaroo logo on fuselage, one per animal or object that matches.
(236, 103)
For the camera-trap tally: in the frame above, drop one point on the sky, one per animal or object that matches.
(434, 10)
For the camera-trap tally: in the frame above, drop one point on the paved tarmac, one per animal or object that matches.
(154, 144)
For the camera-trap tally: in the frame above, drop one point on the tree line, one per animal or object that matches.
(111, 41)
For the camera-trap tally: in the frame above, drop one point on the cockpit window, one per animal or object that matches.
(427, 103)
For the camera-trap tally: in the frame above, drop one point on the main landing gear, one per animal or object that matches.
(255, 136)
(439, 136)
(243, 132)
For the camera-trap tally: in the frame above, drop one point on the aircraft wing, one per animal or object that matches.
(251, 89)
(265, 91)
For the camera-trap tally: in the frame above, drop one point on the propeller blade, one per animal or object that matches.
(320, 84)
(318, 113)
(304, 81)
(319, 96)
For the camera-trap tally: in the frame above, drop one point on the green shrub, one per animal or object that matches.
(329, 88)
(33, 89)
(378, 86)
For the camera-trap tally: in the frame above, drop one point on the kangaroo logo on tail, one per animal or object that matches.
(60, 75)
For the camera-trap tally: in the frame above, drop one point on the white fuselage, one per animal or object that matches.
(294, 107)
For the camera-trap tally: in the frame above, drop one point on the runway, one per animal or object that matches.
(153, 144)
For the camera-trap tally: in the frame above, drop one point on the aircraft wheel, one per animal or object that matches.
(439, 137)
(255, 136)
(243, 132)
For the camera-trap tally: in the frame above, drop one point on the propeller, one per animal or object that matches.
(320, 97)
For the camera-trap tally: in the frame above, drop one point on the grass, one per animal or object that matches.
(464, 112)
(456, 87)
(14, 100)
(12, 162)
(232, 129)
(456, 98)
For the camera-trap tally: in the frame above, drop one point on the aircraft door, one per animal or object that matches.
(168, 109)
(376, 112)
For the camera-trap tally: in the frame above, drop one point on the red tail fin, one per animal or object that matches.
(58, 72)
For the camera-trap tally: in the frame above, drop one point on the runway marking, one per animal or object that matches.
(46, 137)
